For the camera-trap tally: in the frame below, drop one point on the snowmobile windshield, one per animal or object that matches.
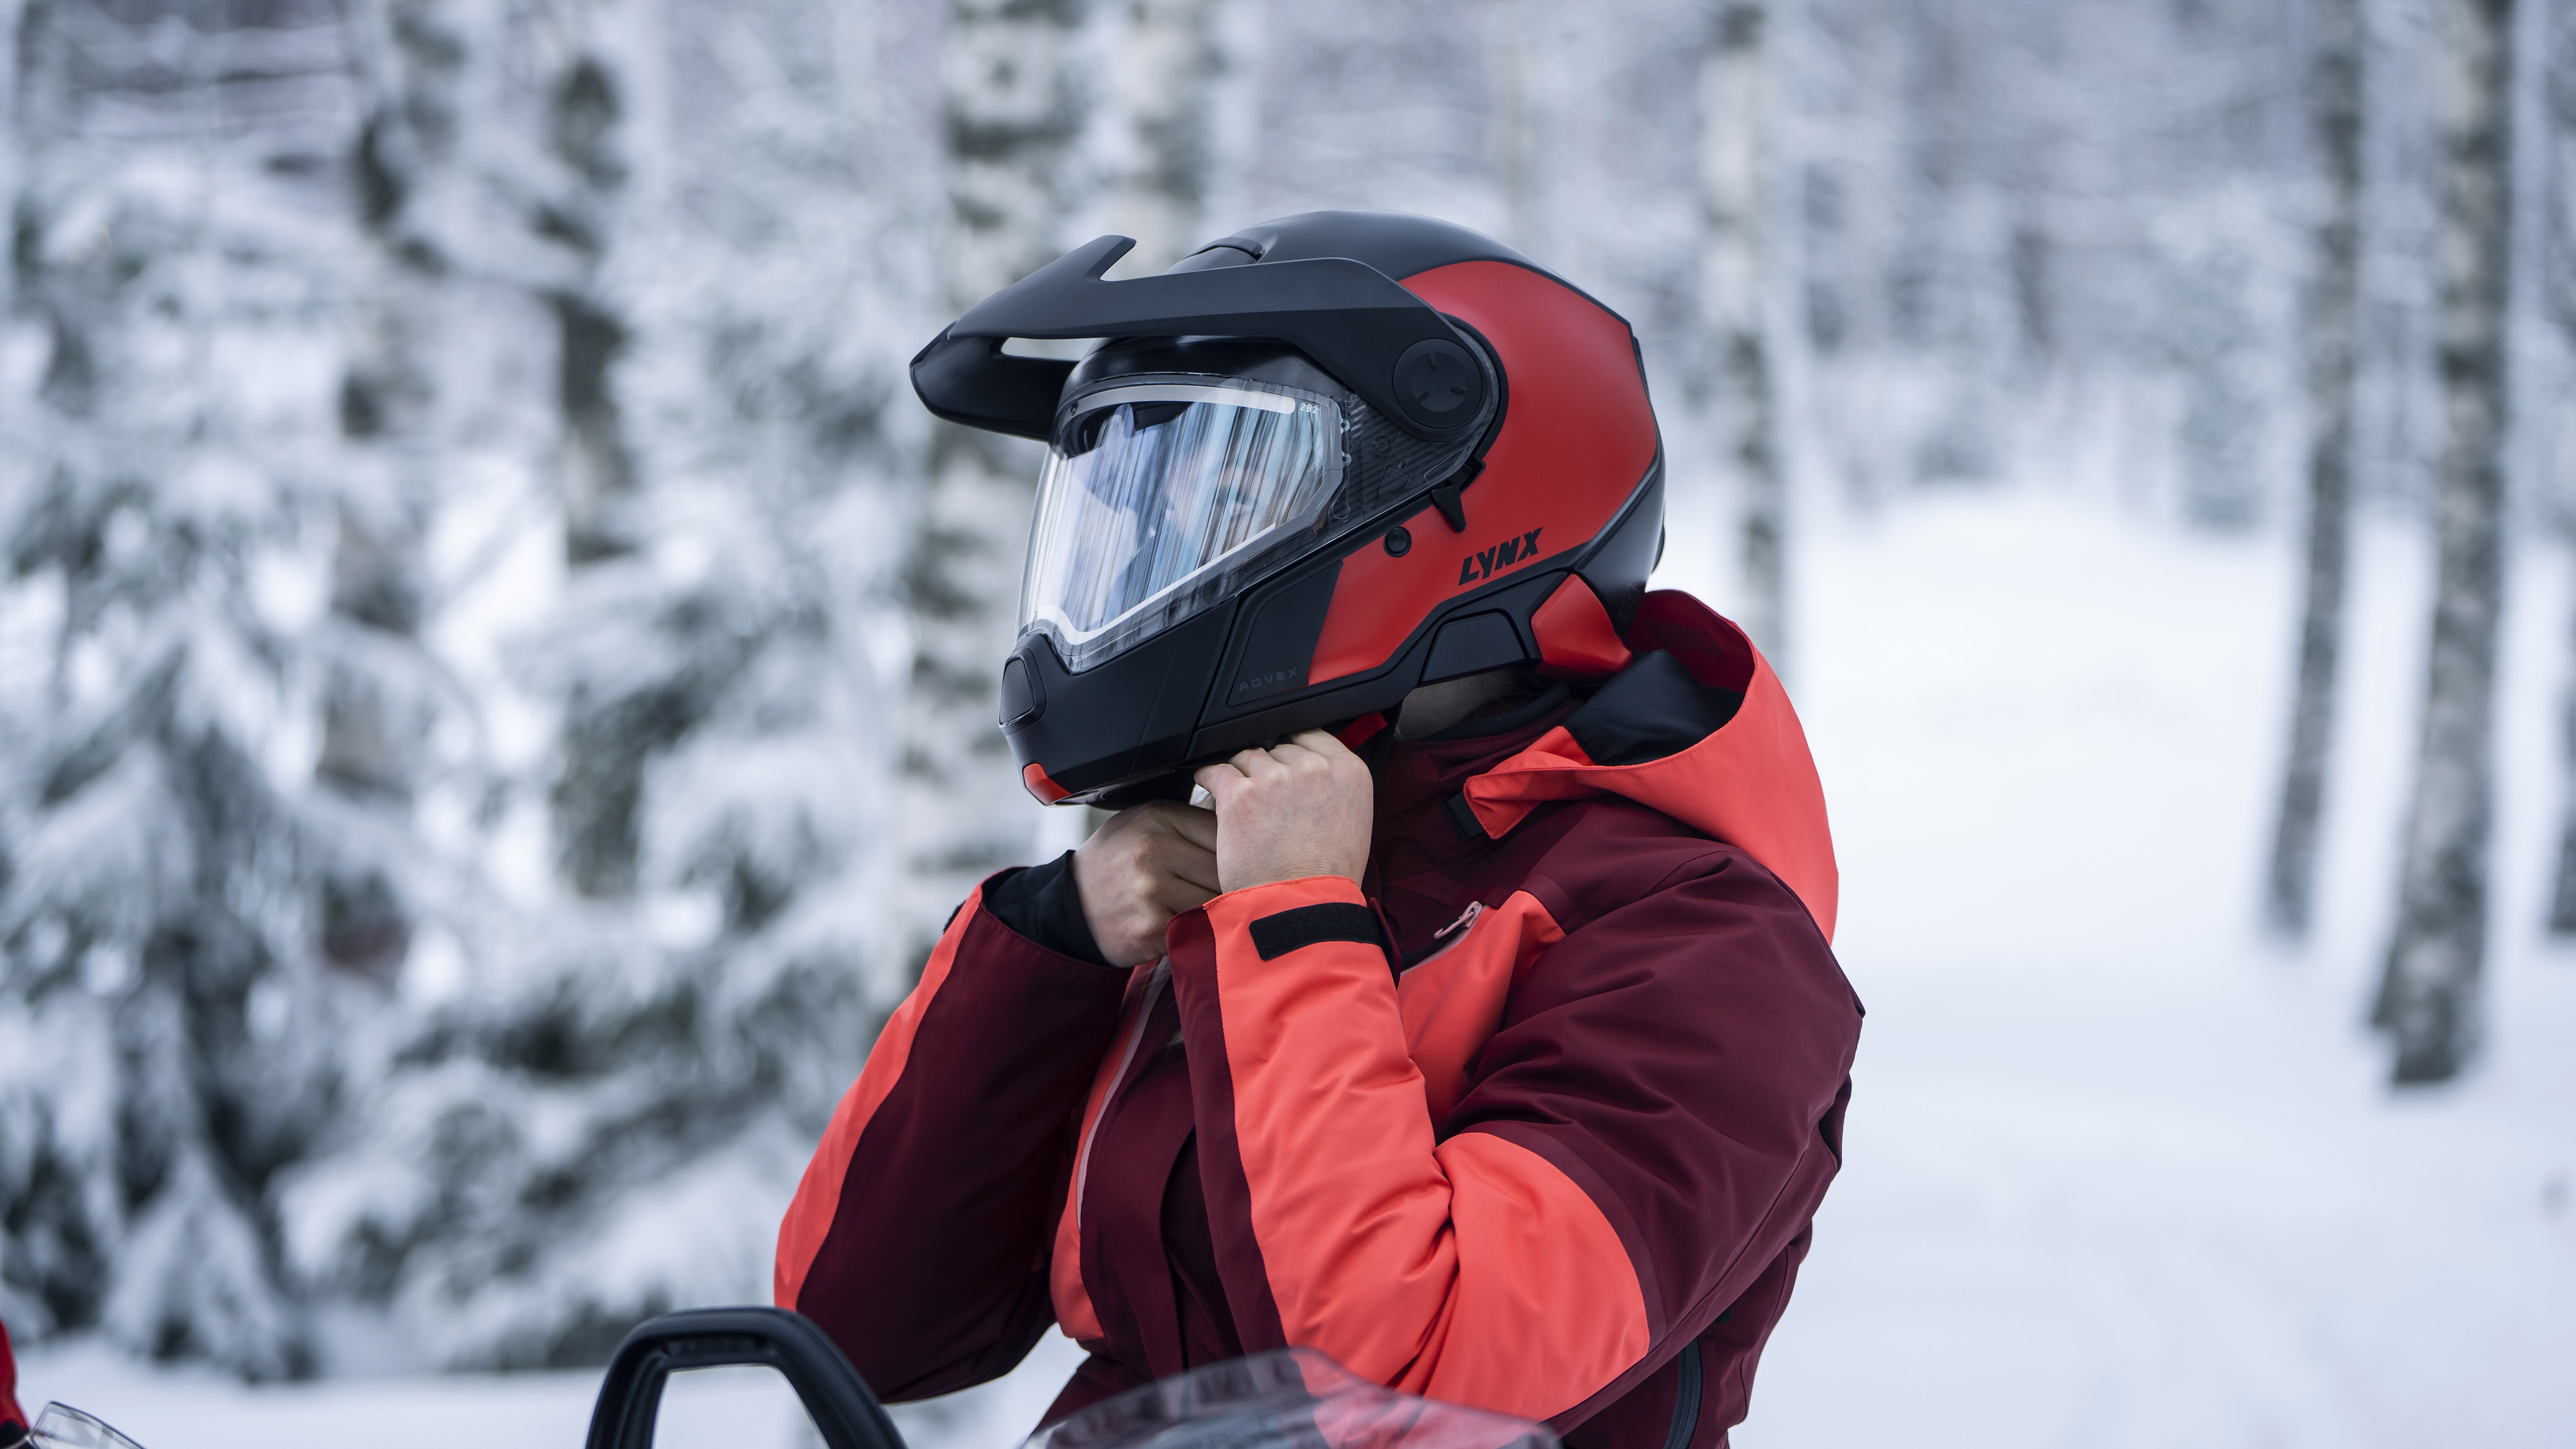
(1287, 1398)
(1162, 498)
(61, 1426)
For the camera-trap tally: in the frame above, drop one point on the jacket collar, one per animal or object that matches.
(1695, 725)
(1691, 722)
(1416, 779)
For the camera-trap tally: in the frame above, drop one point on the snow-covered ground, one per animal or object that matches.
(2120, 1173)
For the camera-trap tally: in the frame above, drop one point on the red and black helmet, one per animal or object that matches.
(1313, 466)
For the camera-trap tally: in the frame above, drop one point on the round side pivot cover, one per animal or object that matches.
(1438, 383)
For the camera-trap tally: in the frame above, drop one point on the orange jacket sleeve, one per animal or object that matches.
(1637, 1134)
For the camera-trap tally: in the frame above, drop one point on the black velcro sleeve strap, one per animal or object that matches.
(1462, 818)
(1275, 936)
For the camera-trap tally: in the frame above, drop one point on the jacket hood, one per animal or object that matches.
(1690, 721)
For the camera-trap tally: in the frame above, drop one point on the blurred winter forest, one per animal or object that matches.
(496, 669)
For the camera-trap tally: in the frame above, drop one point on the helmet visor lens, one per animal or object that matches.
(1159, 498)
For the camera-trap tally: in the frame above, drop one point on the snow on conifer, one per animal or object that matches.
(165, 441)
(606, 1118)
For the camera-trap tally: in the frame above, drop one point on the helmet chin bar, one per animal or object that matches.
(1379, 340)
(1135, 727)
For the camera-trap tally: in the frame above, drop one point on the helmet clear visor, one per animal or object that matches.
(1159, 499)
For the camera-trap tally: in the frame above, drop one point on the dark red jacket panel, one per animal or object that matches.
(1684, 1055)
(932, 1273)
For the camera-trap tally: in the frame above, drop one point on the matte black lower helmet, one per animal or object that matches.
(1311, 467)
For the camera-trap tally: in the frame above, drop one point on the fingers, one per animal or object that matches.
(1163, 832)
(1146, 865)
(1308, 749)
(1226, 782)
(1221, 781)
(1174, 894)
(1186, 861)
(1322, 742)
(1302, 750)
(1299, 808)
(1192, 823)
(1258, 764)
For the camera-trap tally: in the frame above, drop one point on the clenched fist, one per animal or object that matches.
(1148, 864)
(1299, 808)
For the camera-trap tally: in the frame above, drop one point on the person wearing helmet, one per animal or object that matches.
(1483, 1029)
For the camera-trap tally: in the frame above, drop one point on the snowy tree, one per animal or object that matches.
(2335, 96)
(2216, 272)
(606, 1121)
(2558, 172)
(1851, 167)
(1743, 390)
(2039, 241)
(167, 406)
(1940, 278)
(1158, 117)
(1519, 113)
(373, 719)
(2222, 252)
(1013, 111)
(2428, 998)
(2558, 279)
(610, 727)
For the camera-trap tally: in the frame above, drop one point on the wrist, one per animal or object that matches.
(1315, 885)
(1042, 905)
(1276, 918)
(1249, 877)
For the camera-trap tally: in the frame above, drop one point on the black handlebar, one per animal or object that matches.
(843, 1408)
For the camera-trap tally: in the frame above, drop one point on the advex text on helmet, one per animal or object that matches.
(1510, 553)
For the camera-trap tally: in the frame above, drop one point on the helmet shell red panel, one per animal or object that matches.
(1577, 439)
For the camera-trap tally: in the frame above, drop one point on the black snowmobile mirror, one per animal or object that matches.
(845, 1412)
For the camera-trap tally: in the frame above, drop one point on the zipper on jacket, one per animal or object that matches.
(1448, 935)
(1126, 1059)
(1685, 1402)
